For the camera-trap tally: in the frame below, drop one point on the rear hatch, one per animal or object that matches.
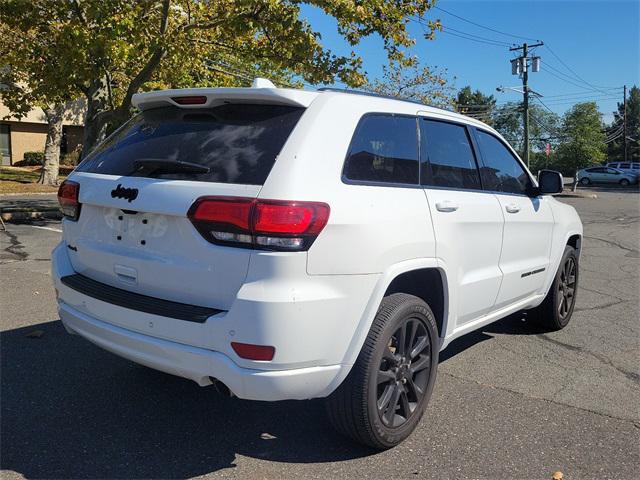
(136, 189)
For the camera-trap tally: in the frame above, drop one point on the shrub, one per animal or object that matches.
(33, 158)
(72, 158)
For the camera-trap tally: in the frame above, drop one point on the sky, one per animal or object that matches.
(596, 47)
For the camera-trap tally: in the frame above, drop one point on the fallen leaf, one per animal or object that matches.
(35, 334)
(267, 436)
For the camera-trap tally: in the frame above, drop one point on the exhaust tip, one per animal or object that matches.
(221, 388)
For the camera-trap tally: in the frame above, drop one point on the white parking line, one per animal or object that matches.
(48, 228)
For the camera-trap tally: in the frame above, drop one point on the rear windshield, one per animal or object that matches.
(238, 143)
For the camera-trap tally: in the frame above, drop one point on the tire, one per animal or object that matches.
(585, 181)
(388, 370)
(555, 311)
(624, 182)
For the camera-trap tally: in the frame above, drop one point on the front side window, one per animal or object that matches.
(501, 171)
(231, 143)
(384, 149)
(625, 165)
(448, 159)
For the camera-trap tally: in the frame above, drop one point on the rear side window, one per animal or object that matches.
(448, 157)
(501, 171)
(236, 143)
(384, 149)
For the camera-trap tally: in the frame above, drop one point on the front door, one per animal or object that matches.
(528, 227)
(467, 221)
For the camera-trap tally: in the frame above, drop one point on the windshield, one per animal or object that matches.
(237, 143)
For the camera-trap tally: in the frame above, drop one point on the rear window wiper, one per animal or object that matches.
(160, 165)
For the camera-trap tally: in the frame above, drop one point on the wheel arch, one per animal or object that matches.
(391, 281)
(575, 240)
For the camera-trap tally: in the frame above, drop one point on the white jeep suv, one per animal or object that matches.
(289, 244)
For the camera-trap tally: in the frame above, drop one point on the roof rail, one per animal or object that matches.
(370, 94)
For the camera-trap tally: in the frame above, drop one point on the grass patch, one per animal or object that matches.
(23, 180)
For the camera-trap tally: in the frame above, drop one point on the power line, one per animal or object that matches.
(565, 80)
(544, 104)
(479, 37)
(572, 94)
(595, 87)
(483, 26)
(494, 44)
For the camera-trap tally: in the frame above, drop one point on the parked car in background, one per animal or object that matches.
(627, 167)
(587, 176)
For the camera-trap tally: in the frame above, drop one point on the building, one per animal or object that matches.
(28, 134)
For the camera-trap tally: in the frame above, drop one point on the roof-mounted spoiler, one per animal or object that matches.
(261, 91)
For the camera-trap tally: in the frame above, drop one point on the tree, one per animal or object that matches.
(21, 93)
(427, 85)
(543, 126)
(476, 104)
(616, 147)
(107, 50)
(583, 144)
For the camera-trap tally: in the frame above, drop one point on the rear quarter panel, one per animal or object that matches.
(370, 227)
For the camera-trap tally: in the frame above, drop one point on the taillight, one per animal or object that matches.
(263, 224)
(68, 195)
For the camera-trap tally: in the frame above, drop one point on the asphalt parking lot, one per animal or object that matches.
(509, 402)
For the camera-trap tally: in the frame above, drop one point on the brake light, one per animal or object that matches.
(253, 352)
(191, 100)
(68, 195)
(264, 224)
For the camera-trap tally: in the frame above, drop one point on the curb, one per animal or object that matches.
(10, 215)
(570, 194)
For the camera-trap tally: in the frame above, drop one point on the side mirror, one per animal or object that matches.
(550, 182)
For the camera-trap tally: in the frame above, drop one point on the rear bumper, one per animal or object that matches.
(201, 365)
(311, 321)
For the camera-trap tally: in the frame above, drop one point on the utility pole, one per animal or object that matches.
(624, 133)
(522, 67)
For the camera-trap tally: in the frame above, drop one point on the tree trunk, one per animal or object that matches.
(96, 116)
(54, 115)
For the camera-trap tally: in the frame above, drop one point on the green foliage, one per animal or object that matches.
(616, 148)
(583, 143)
(32, 158)
(107, 50)
(544, 126)
(427, 85)
(475, 103)
(71, 159)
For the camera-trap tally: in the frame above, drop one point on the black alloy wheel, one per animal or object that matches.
(403, 373)
(567, 287)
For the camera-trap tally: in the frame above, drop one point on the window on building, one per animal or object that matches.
(5, 144)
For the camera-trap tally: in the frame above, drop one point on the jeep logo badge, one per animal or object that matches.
(129, 194)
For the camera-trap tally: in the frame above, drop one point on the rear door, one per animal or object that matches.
(136, 189)
(528, 220)
(467, 222)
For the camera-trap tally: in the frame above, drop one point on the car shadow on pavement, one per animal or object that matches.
(515, 324)
(72, 410)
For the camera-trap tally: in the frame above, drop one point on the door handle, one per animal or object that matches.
(512, 208)
(446, 206)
